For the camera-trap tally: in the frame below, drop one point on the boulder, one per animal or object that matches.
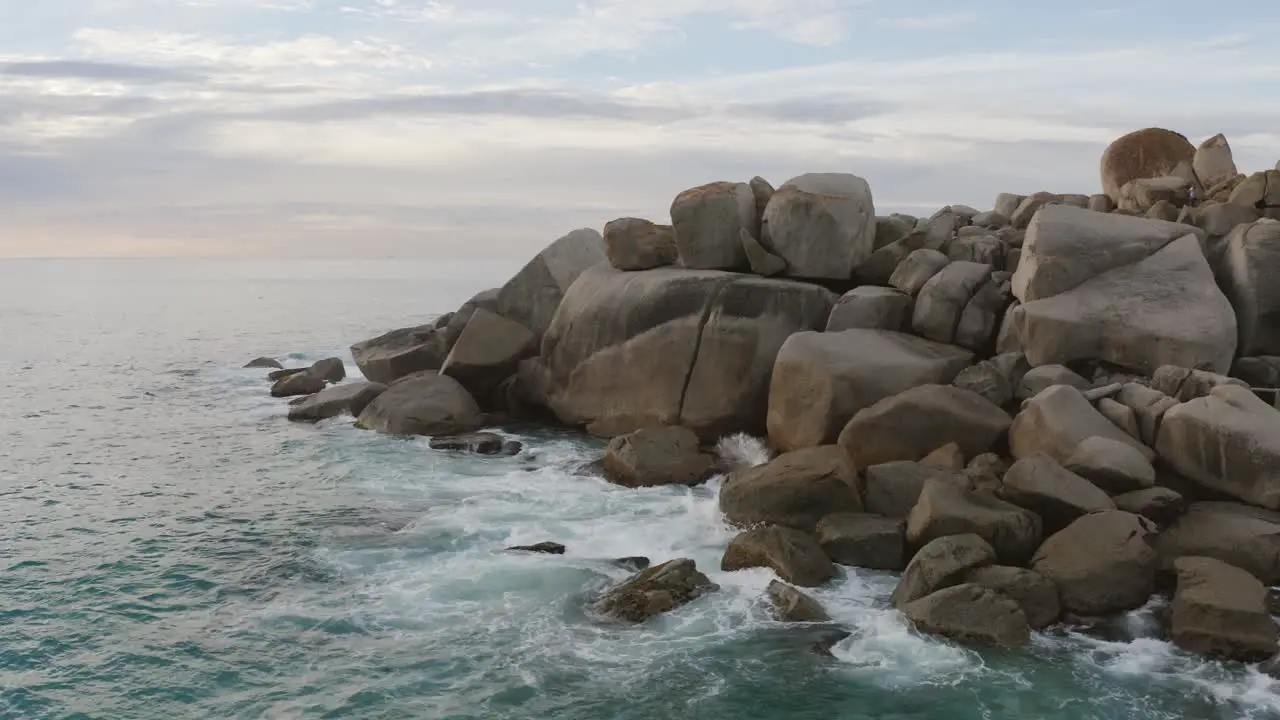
(477, 444)
(1239, 535)
(1147, 153)
(264, 362)
(1007, 203)
(1100, 563)
(532, 296)
(1122, 416)
(1160, 505)
(794, 555)
(1055, 421)
(1183, 384)
(657, 456)
(762, 190)
(761, 261)
(1101, 203)
(424, 403)
(880, 267)
(821, 380)
(1158, 197)
(863, 540)
(985, 472)
(396, 354)
(981, 316)
(990, 219)
(1114, 466)
(870, 308)
(981, 249)
(1057, 495)
(705, 343)
(1034, 593)
(892, 228)
(330, 370)
(1148, 405)
(945, 508)
(1250, 266)
(913, 423)
(791, 605)
(987, 380)
(822, 224)
(638, 244)
(1260, 190)
(940, 564)
(1213, 163)
(794, 490)
(1030, 206)
(302, 383)
(917, 269)
(349, 398)
(282, 373)
(947, 457)
(1038, 379)
(944, 297)
(654, 591)
(970, 613)
(708, 221)
(1221, 611)
(1228, 442)
(488, 351)
(891, 489)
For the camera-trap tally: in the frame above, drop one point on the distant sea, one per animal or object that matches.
(172, 547)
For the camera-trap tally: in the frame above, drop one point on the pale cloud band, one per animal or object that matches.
(414, 127)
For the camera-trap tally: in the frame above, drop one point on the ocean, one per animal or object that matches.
(172, 547)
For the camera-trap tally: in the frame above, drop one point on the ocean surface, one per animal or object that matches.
(172, 547)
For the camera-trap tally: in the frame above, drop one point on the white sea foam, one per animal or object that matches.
(741, 450)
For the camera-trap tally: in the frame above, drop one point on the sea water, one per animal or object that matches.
(172, 547)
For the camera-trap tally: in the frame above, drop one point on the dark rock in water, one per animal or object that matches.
(654, 591)
(791, 605)
(637, 563)
(301, 383)
(331, 370)
(264, 362)
(940, 564)
(823, 647)
(349, 398)
(423, 404)
(546, 548)
(283, 373)
(794, 555)
(400, 353)
(477, 443)
(657, 456)
(970, 613)
(795, 490)
(862, 540)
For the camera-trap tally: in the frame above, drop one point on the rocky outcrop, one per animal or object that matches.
(1239, 535)
(347, 399)
(1221, 611)
(794, 555)
(1057, 420)
(1057, 495)
(637, 244)
(946, 508)
(870, 308)
(659, 589)
(1147, 153)
(940, 564)
(425, 403)
(970, 613)
(1101, 563)
(822, 224)
(791, 605)
(1250, 266)
(821, 380)
(1034, 593)
(913, 423)
(487, 352)
(863, 540)
(708, 221)
(657, 456)
(532, 296)
(794, 490)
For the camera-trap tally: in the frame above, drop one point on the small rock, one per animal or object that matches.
(475, 443)
(349, 398)
(264, 362)
(823, 647)
(947, 457)
(330, 370)
(761, 261)
(302, 383)
(1038, 379)
(635, 563)
(791, 605)
(545, 548)
(656, 590)
(794, 555)
(283, 373)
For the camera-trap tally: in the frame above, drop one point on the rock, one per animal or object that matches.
(1034, 593)
(1037, 379)
(349, 399)
(981, 249)
(1213, 163)
(425, 403)
(1260, 190)
(637, 244)
(795, 490)
(330, 370)
(1168, 193)
(823, 647)
(917, 269)
(1251, 264)
(1114, 466)
(532, 296)
(1029, 207)
(791, 605)
(1056, 494)
(1146, 153)
(544, 548)
(705, 343)
(1239, 535)
(1056, 420)
(1101, 203)
(303, 383)
(890, 229)
(1101, 563)
(940, 564)
(970, 613)
(391, 356)
(1007, 203)
(883, 263)
(985, 472)
(945, 508)
(1161, 506)
(991, 219)
(1122, 416)
(1148, 405)
(1263, 371)
(1183, 384)
(761, 261)
(870, 308)
(981, 317)
(1221, 611)
(708, 221)
(794, 555)
(863, 540)
(283, 373)
(656, 590)
(657, 456)
(264, 362)
(1228, 441)
(944, 297)
(821, 380)
(822, 224)
(892, 489)
(913, 423)
(488, 351)
(947, 457)
(987, 380)
(762, 190)
(635, 563)
(476, 444)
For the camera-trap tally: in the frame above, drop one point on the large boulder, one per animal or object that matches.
(1164, 310)
(1059, 496)
(1055, 422)
(424, 403)
(532, 296)
(1221, 611)
(657, 456)
(863, 540)
(704, 343)
(654, 591)
(971, 613)
(821, 380)
(1101, 563)
(891, 489)
(393, 355)
(1251, 265)
(1227, 441)
(915, 422)
(1239, 535)
(940, 564)
(870, 308)
(1147, 153)
(946, 508)
(822, 224)
(1034, 593)
(794, 490)
(638, 244)
(944, 297)
(915, 270)
(1213, 162)
(708, 221)
(794, 555)
(1114, 466)
(791, 605)
(349, 398)
(488, 351)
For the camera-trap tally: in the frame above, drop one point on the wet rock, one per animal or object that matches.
(940, 564)
(972, 614)
(349, 399)
(476, 443)
(863, 540)
(637, 244)
(791, 605)
(823, 647)
(1055, 421)
(794, 555)
(1034, 593)
(264, 362)
(1239, 535)
(870, 308)
(276, 375)
(945, 508)
(1161, 506)
(795, 490)
(1057, 495)
(657, 456)
(635, 563)
(1114, 466)
(302, 383)
(1101, 563)
(656, 590)
(544, 548)
(1221, 611)
(708, 221)
(425, 403)
(822, 224)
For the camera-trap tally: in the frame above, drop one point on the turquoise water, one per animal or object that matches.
(172, 547)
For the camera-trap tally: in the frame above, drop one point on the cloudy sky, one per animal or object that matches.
(474, 128)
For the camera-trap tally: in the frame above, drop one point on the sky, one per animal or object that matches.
(488, 128)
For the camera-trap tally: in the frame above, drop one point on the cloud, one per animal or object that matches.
(89, 70)
(930, 22)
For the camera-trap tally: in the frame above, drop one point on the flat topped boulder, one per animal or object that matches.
(425, 403)
(656, 590)
(971, 613)
(946, 508)
(821, 380)
(348, 398)
(1147, 153)
(1221, 611)
(533, 294)
(796, 490)
(657, 456)
(708, 221)
(1102, 563)
(822, 224)
(393, 355)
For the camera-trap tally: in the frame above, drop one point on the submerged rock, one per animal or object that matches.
(654, 591)
(477, 443)
(545, 548)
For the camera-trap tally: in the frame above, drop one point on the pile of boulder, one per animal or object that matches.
(1043, 412)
